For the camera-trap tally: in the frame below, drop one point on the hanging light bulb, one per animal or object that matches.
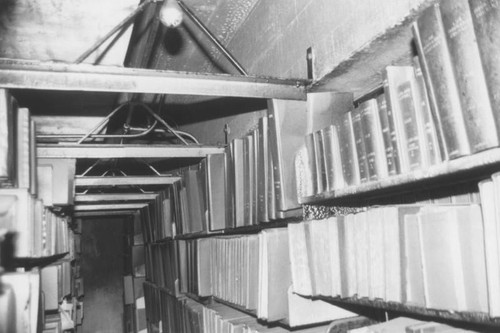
(171, 14)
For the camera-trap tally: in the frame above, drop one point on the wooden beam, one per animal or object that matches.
(19, 74)
(124, 181)
(126, 151)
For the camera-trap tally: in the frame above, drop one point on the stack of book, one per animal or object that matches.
(251, 272)
(187, 315)
(162, 265)
(156, 219)
(430, 256)
(408, 325)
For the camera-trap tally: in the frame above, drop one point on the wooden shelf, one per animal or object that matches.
(449, 172)
(472, 318)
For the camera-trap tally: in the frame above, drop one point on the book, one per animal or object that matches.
(409, 130)
(322, 108)
(435, 149)
(469, 75)
(237, 164)
(287, 128)
(8, 108)
(321, 177)
(429, 35)
(311, 177)
(263, 171)
(374, 141)
(387, 135)
(360, 145)
(333, 162)
(486, 21)
(216, 191)
(348, 154)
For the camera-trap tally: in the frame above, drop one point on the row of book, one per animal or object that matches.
(431, 256)
(183, 314)
(382, 137)
(443, 107)
(39, 232)
(408, 325)
(251, 272)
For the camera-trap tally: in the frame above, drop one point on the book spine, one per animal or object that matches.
(320, 161)
(390, 107)
(486, 21)
(263, 170)
(438, 71)
(311, 177)
(7, 135)
(348, 154)
(410, 126)
(374, 144)
(386, 135)
(470, 79)
(333, 165)
(360, 145)
(434, 146)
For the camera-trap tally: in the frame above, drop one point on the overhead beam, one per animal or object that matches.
(21, 74)
(125, 181)
(89, 198)
(125, 151)
(122, 206)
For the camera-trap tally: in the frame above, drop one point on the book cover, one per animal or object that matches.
(7, 135)
(237, 159)
(320, 161)
(374, 141)
(438, 72)
(386, 135)
(216, 191)
(311, 177)
(469, 75)
(486, 21)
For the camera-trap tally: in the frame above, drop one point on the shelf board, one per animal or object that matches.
(24, 74)
(109, 206)
(82, 151)
(477, 165)
(123, 181)
(474, 318)
(104, 213)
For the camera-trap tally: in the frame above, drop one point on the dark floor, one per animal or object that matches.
(102, 271)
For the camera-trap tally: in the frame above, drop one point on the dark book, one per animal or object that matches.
(320, 161)
(440, 79)
(255, 172)
(229, 189)
(348, 154)
(386, 135)
(486, 21)
(391, 125)
(471, 83)
(434, 148)
(374, 142)
(248, 179)
(263, 171)
(333, 163)
(360, 145)
(7, 135)
(311, 187)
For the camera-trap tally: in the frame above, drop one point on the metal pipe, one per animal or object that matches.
(104, 121)
(209, 34)
(120, 25)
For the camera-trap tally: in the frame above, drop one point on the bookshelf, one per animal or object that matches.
(455, 171)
